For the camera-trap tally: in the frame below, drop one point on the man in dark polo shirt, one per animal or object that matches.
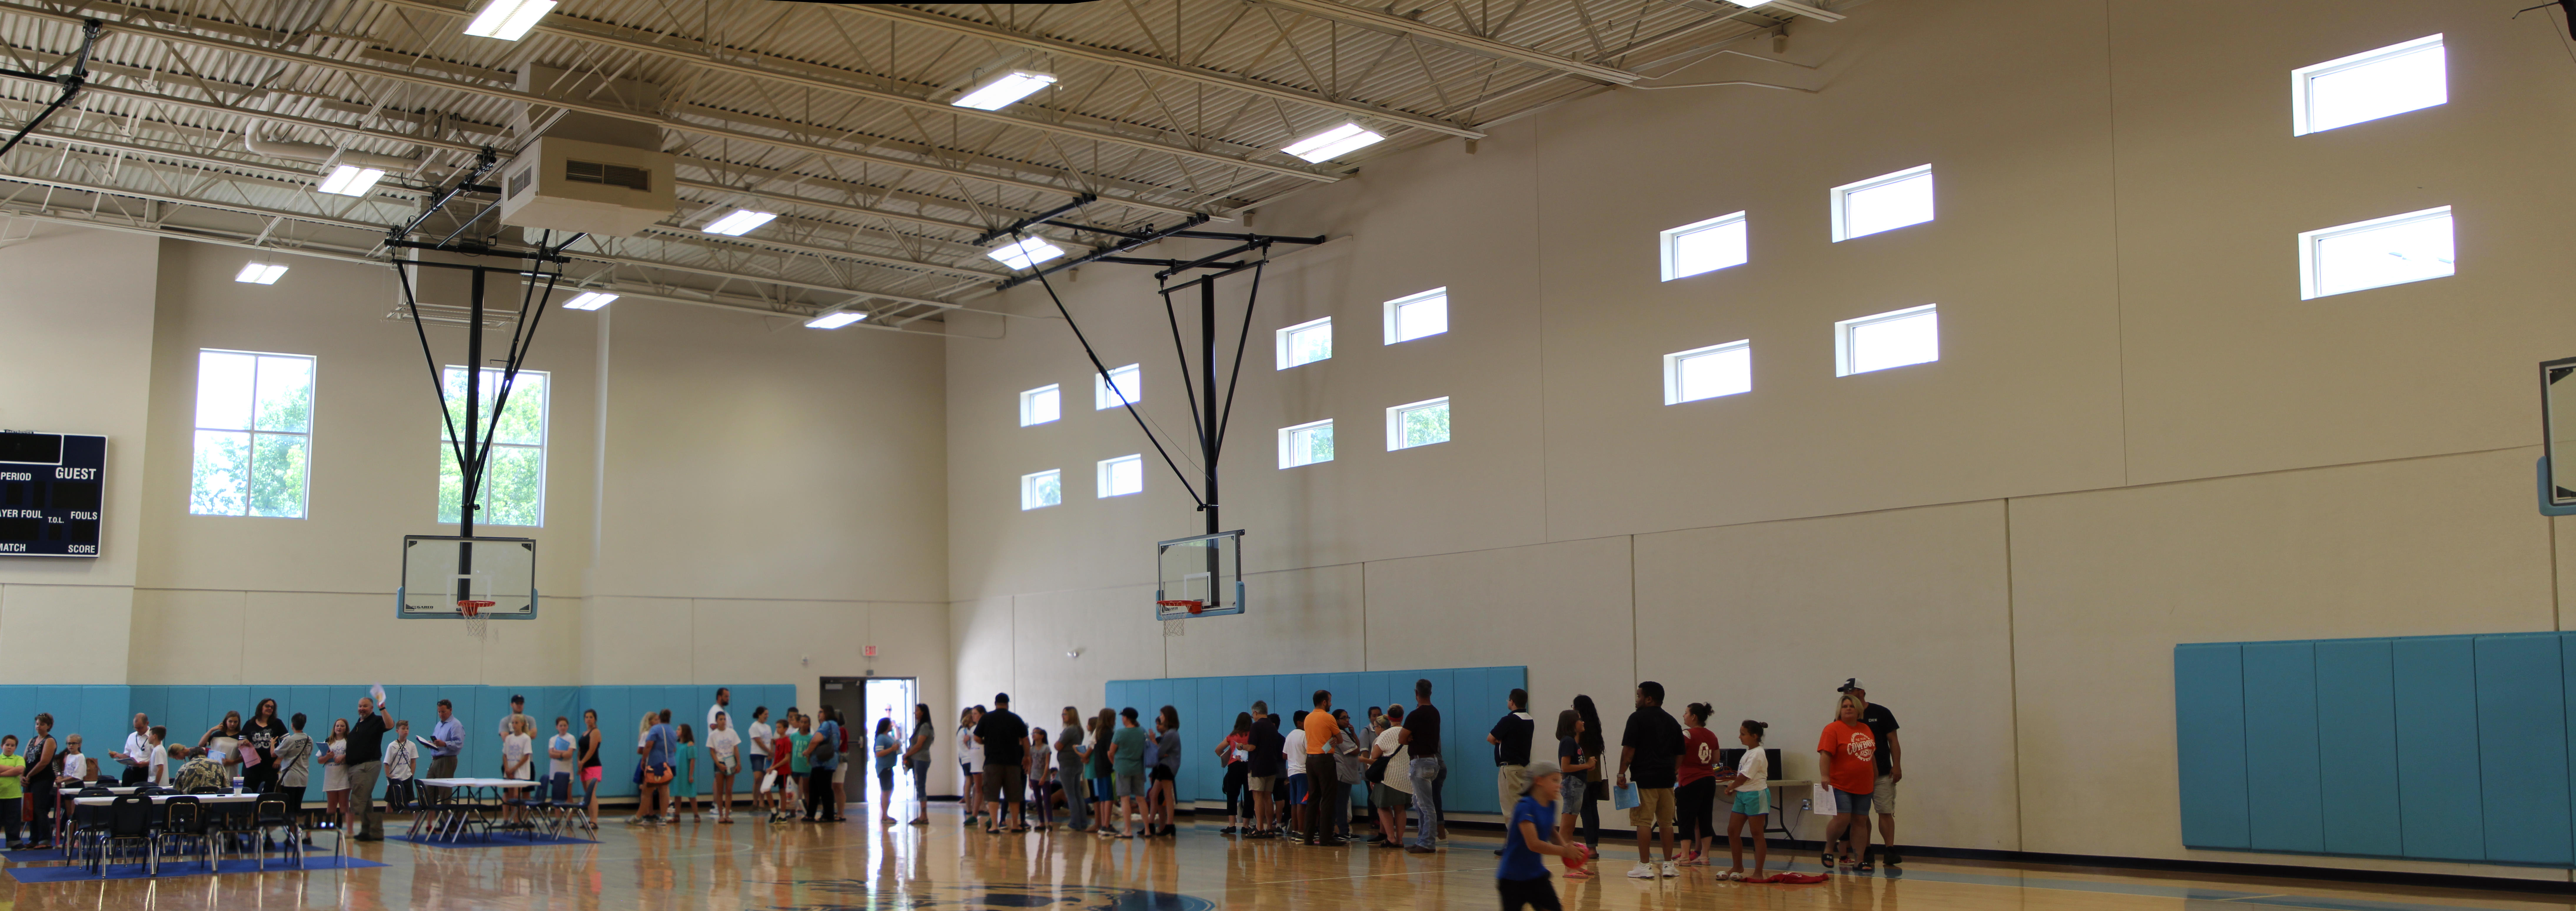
(1891, 769)
(1421, 736)
(364, 758)
(1511, 740)
(1269, 761)
(1649, 751)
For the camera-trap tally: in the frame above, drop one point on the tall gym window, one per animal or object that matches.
(1306, 343)
(1122, 476)
(1042, 489)
(1704, 246)
(1883, 203)
(2375, 253)
(1041, 405)
(1892, 339)
(1306, 444)
(1706, 373)
(254, 437)
(1120, 381)
(1424, 314)
(514, 479)
(2369, 85)
(1417, 424)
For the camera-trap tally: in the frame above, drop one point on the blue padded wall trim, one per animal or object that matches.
(2209, 742)
(2357, 733)
(1470, 700)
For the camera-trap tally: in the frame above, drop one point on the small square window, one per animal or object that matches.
(1306, 343)
(1122, 476)
(1424, 314)
(1704, 247)
(1417, 424)
(2375, 253)
(1041, 405)
(1306, 444)
(1706, 373)
(2369, 85)
(1883, 203)
(1892, 339)
(1106, 390)
(1041, 490)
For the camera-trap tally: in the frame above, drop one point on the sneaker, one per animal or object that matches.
(1890, 857)
(1670, 869)
(1642, 870)
(1419, 849)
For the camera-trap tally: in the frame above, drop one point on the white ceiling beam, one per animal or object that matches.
(1061, 47)
(1391, 24)
(561, 26)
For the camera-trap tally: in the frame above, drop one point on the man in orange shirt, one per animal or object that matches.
(1323, 788)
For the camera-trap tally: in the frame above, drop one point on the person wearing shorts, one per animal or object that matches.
(1847, 751)
(1650, 750)
(1127, 770)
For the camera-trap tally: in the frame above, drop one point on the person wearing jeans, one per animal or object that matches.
(1421, 735)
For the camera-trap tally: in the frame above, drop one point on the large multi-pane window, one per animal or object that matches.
(513, 491)
(1417, 424)
(254, 440)
(1306, 444)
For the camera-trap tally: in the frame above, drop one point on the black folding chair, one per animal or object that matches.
(270, 815)
(129, 821)
(184, 825)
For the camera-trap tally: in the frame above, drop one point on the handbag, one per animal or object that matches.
(1624, 797)
(1377, 770)
(657, 775)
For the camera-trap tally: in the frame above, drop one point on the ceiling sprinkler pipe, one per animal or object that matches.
(322, 154)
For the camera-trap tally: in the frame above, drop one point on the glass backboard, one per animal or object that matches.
(440, 570)
(2558, 431)
(1204, 568)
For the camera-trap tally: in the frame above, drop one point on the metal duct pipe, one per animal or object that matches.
(322, 154)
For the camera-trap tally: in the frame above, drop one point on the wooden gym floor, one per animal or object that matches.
(751, 866)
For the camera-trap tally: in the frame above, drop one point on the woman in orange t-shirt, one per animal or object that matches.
(1848, 751)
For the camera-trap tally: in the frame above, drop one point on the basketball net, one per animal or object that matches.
(474, 619)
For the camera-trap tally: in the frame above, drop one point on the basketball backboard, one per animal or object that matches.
(2558, 437)
(440, 570)
(1206, 569)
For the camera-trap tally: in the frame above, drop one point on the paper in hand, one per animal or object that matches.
(377, 692)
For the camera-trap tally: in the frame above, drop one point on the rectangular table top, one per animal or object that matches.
(164, 798)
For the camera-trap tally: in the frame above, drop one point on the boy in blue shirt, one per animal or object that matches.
(1523, 878)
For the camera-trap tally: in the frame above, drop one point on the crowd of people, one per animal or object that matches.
(1301, 778)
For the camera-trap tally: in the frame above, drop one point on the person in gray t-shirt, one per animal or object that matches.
(1071, 751)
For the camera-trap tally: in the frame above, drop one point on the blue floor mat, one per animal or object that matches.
(498, 840)
(187, 867)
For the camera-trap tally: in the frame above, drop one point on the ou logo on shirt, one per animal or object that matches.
(1862, 746)
(1707, 754)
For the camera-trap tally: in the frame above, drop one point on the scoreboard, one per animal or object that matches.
(51, 487)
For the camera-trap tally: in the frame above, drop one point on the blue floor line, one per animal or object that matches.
(2187, 893)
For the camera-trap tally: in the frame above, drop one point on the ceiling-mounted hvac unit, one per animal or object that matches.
(565, 184)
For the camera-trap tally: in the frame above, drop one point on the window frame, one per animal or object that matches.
(1400, 303)
(1029, 484)
(2310, 287)
(1673, 370)
(1030, 395)
(1842, 201)
(1286, 341)
(1107, 466)
(196, 425)
(2303, 81)
(1395, 439)
(1134, 392)
(543, 446)
(1670, 241)
(1844, 330)
(1289, 433)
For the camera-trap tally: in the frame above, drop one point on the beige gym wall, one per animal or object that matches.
(2137, 435)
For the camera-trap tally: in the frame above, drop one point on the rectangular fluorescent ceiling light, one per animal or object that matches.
(998, 92)
(508, 20)
(589, 300)
(741, 222)
(259, 273)
(1025, 254)
(1333, 143)
(834, 320)
(351, 180)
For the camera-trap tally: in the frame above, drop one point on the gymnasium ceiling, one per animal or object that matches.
(835, 116)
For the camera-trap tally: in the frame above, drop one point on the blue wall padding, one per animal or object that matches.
(1470, 701)
(102, 714)
(2284, 797)
(2210, 761)
(2450, 748)
(2360, 773)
